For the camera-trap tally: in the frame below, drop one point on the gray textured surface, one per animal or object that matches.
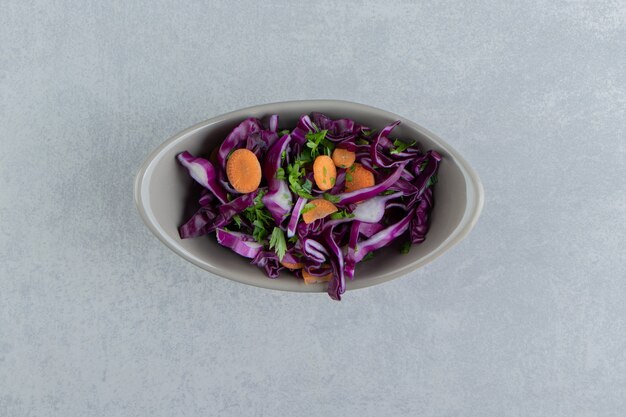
(527, 317)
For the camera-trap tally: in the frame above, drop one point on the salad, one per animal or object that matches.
(315, 200)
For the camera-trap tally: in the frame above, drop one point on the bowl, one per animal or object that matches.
(163, 188)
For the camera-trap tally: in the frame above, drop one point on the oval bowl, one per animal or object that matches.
(163, 189)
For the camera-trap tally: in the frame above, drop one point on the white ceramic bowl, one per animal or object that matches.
(162, 189)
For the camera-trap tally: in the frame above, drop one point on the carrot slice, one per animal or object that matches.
(292, 265)
(311, 279)
(358, 177)
(322, 209)
(343, 158)
(243, 171)
(324, 172)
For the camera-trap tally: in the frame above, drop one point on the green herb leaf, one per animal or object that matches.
(293, 239)
(305, 156)
(401, 146)
(259, 233)
(331, 198)
(432, 180)
(369, 132)
(260, 218)
(406, 247)
(343, 214)
(388, 192)
(298, 188)
(423, 166)
(316, 137)
(361, 141)
(304, 194)
(237, 220)
(317, 142)
(278, 243)
(283, 132)
(295, 174)
(280, 174)
(307, 186)
(307, 207)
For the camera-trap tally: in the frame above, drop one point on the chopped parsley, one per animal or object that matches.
(307, 187)
(401, 146)
(318, 144)
(331, 198)
(260, 218)
(406, 247)
(278, 243)
(295, 176)
(349, 173)
(432, 180)
(343, 214)
(307, 207)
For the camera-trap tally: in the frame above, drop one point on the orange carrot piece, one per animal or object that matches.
(243, 171)
(311, 279)
(343, 158)
(322, 209)
(292, 265)
(358, 177)
(324, 172)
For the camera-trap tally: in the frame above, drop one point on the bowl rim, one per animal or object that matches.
(474, 194)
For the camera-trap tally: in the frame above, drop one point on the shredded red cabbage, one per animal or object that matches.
(395, 209)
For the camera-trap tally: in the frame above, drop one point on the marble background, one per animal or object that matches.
(527, 317)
